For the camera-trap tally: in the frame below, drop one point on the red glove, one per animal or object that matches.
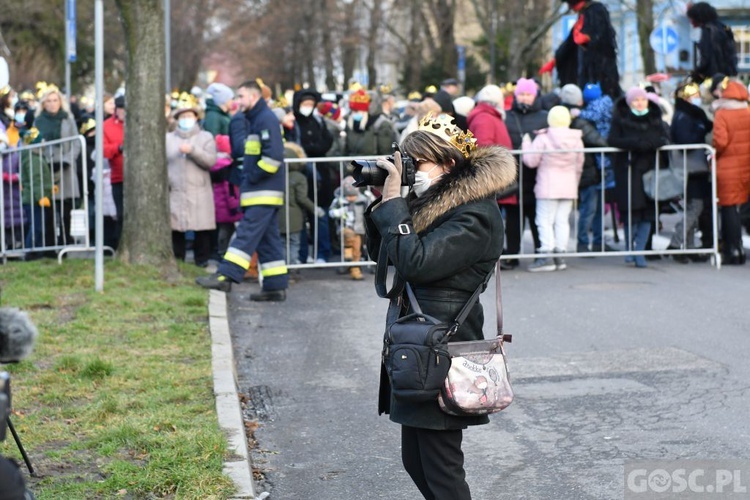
(548, 67)
(579, 37)
(10, 178)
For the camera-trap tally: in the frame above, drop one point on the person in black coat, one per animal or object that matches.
(589, 53)
(526, 116)
(589, 185)
(715, 51)
(638, 128)
(690, 126)
(454, 239)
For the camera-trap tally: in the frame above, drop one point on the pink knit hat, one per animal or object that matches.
(634, 93)
(526, 86)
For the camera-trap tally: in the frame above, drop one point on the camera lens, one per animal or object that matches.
(367, 173)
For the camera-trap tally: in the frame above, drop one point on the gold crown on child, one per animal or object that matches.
(445, 127)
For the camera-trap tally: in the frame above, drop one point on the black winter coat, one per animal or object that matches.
(591, 174)
(690, 126)
(455, 241)
(641, 136)
(522, 120)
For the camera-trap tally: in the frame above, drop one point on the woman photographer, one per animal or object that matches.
(443, 239)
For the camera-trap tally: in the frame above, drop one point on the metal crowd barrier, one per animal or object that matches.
(342, 167)
(55, 172)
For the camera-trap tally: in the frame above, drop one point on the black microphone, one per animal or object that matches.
(17, 335)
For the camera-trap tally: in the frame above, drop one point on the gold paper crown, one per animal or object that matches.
(430, 89)
(415, 95)
(31, 135)
(360, 96)
(281, 102)
(87, 126)
(355, 86)
(385, 88)
(43, 87)
(27, 95)
(689, 89)
(186, 100)
(444, 126)
(5, 90)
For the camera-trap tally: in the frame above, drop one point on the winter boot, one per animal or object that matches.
(215, 281)
(269, 296)
(356, 273)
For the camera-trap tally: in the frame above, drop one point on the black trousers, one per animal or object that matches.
(201, 246)
(731, 228)
(435, 462)
(513, 226)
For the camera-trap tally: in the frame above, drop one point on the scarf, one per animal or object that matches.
(49, 125)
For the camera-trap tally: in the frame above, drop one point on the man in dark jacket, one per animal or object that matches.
(589, 187)
(257, 140)
(525, 117)
(316, 140)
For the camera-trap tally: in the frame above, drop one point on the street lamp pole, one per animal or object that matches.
(168, 42)
(99, 160)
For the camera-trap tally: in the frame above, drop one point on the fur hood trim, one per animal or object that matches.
(486, 172)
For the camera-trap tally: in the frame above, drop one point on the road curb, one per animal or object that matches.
(228, 407)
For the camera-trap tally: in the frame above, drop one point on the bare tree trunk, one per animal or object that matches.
(325, 36)
(146, 235)
(645, 14)
(414, 48)
(349, 42)
(443, 13)
(376, 16)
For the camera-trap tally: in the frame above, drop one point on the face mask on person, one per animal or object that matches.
(696, 101)
(186, 124)
(639, 112)
(20, 117)
(422, 181)
(305, 110)
(357, 116)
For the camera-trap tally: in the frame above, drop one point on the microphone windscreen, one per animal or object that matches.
(17, 335)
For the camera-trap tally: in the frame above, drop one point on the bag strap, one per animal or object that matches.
(381, 274)
(464, 313)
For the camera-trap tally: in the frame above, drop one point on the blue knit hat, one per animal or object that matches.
(591, 92)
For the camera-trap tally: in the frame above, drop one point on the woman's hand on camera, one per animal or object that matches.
(392, 187)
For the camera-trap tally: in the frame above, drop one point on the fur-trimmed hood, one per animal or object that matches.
(487, 171)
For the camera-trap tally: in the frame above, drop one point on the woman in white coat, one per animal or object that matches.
(191, 152)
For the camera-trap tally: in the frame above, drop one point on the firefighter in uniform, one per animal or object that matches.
(257, 138)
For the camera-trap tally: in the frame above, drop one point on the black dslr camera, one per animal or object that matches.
(367, 172)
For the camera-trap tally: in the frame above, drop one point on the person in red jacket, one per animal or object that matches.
(114, 138)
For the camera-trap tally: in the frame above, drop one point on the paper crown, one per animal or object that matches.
(385, 88)
(43, 87)
(359, 100)
(445, 127)
(5, 90)
(27, 95)
(31, 136)
(87, 126)
(186, 100)
(688, 90)
(430, 89)
(414, 96)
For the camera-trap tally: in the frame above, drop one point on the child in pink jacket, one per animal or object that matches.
(556, 184)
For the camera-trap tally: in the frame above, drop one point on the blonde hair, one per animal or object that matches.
(428, 106)
(45, 96)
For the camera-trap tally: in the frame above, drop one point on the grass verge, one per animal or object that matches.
(117, 399)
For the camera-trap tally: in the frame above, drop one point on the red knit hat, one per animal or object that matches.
(329, 110)
(359, 101)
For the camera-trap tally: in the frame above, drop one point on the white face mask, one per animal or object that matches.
(186, 123)
(305, 111)
(422, 181)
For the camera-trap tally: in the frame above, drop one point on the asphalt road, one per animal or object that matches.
(610, 364)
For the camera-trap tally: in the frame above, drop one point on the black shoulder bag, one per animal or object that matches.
(415, 350)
